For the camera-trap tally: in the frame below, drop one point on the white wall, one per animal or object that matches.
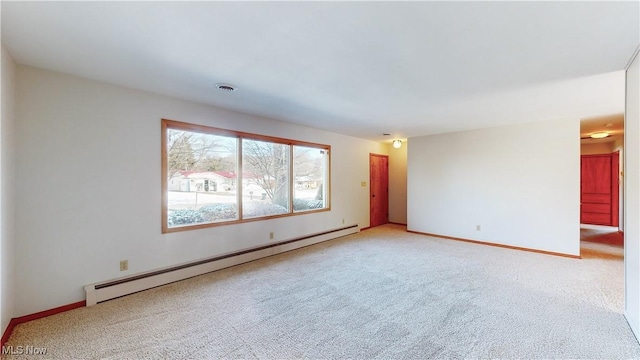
(76, 217)
(7, 190)
(398, 184)
(597, 148)
(632, 198)
(520, 183)
(618, 143)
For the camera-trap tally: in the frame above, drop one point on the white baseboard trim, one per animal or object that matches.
(107, 290)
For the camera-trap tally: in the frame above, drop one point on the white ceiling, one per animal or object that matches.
(357, 68)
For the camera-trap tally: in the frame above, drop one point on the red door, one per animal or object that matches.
(615, 188)
(596, 190)
(379, 189)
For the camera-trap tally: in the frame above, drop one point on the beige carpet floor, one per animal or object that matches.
(380, 294)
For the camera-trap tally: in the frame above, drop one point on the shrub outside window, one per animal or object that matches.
(213, 176)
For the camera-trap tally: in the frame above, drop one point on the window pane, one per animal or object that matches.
(265, 178)
(201, 178)
(310, 173)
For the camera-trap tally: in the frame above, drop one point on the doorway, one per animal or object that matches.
(601, 197)
(379, 189)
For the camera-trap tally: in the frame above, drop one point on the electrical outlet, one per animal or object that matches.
(478, 227)
(271, 235)
(124, 265)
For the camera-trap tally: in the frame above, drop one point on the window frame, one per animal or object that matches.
(167, 124)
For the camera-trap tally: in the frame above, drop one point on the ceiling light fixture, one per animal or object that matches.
(599, 135)
(397, 144)
(226, 87)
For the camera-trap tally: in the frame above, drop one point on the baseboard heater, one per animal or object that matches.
(107, 290)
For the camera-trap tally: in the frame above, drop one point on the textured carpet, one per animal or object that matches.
(383, 293)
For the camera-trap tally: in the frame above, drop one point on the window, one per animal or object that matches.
(214, 176)
(310, 166)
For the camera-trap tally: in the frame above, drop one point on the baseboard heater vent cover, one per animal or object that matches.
(107, 290)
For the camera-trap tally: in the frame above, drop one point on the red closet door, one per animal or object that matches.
(596, 190)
